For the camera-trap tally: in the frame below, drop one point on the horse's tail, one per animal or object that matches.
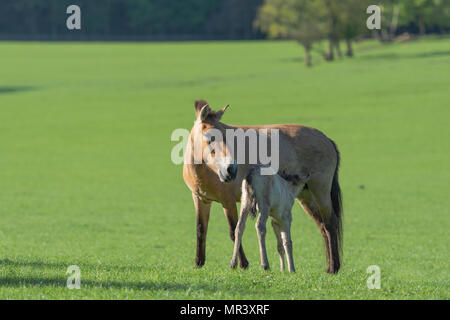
(248, 199)
(336, 200)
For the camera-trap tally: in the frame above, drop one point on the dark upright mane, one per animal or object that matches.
(292, 178)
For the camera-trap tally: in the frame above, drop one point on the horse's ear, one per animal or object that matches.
(199, 104)
(204, 113)
(220, 113)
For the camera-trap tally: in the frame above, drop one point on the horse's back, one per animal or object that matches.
(303, 149)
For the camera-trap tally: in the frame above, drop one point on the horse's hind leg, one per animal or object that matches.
(276, 229)
(310, 206)
(261, 231)
(332, 231)
(329, 225)
(230, 211)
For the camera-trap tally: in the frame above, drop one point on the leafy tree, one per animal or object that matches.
(291, 19)
(426, 14)
(390, 13)
(351, 21)
(331, 11)
(233, 19)
(306, 21)
(440, 16)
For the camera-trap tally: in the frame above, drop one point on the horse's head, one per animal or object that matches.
(209, 142)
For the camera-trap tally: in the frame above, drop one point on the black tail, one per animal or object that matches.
(336, 200)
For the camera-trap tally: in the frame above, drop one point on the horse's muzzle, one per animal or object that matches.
(230, 174)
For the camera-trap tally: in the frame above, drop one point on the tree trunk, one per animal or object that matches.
(332, 32)
(337, 45)
(308, 56)
(376, 35)
(330, 55)
(349, 52)
(421, 26)
(385, 36)
(394, 22)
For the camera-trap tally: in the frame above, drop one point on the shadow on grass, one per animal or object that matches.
(41, 264)
(378, 56)
(396, 56)
(9, 281)
(16, 89)
(33, 281)
(293, 60)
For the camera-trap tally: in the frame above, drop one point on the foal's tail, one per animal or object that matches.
(336, 200)
(248, 198)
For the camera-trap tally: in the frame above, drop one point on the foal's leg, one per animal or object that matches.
(276, 229)
(287, 243)
(230, 210)
(239, 231)
(261, 231)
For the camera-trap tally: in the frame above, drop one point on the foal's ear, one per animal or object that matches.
(220, 113)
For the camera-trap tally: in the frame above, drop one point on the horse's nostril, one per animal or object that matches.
(230, 169)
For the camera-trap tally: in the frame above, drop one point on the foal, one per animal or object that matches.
(272, 195)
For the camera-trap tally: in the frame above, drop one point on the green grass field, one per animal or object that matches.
(86, 177)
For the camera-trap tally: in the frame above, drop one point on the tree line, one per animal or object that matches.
(307, 21)
(311, 22)
(131, 19)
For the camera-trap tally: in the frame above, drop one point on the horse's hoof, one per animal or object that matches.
(244, 264)
(199, 263)
(265, 267)
(233, 264)
(332, 271)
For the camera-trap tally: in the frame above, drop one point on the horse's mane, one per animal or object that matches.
(292, 178)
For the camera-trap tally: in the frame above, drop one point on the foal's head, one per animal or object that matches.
(209, 140)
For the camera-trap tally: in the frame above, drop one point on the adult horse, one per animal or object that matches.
(301, 150)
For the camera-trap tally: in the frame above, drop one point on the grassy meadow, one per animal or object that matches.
(86, 176)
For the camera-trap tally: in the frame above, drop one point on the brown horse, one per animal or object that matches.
(301, 149)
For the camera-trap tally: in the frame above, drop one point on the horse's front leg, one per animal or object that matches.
(202, 210)
(230, 210)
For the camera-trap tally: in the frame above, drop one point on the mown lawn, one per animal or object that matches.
(86, 177)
